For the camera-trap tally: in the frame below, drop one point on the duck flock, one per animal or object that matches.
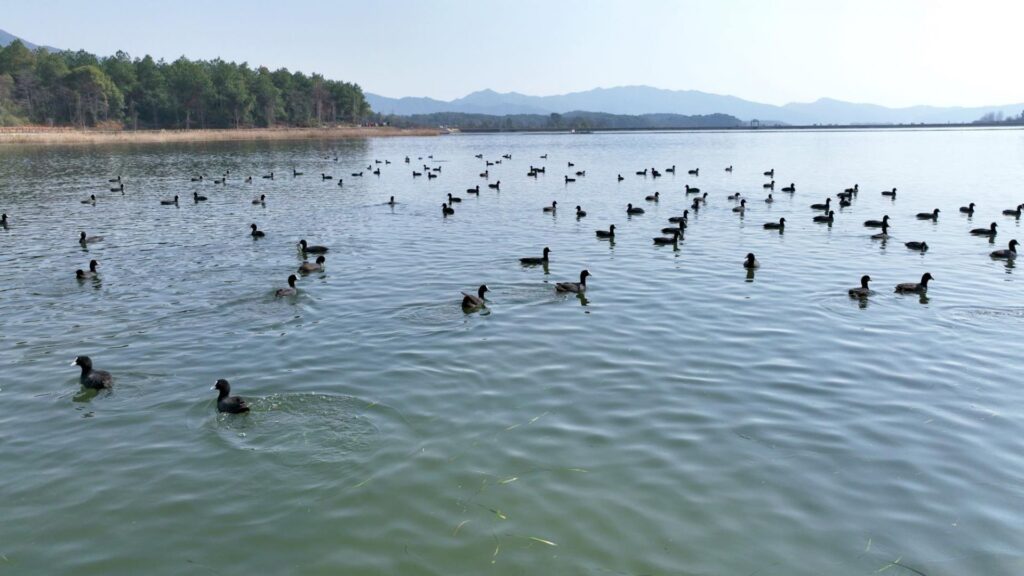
(671, 234)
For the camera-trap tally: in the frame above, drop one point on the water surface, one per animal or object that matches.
(683, 418)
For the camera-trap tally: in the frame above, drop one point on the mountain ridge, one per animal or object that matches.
(639, 100)
(6, 38)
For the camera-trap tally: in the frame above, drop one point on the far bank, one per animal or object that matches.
(39, 135)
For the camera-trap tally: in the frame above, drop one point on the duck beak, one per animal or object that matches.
(73, 362)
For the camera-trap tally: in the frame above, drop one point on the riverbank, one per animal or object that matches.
(39, 135)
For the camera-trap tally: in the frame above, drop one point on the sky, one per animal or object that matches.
(889, 52)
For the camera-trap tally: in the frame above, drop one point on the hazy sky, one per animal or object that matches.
(892, 52)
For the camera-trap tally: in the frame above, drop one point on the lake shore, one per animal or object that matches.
(41, 135)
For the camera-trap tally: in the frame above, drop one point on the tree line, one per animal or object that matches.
(998, 117)
(80, 89)
(568, 121)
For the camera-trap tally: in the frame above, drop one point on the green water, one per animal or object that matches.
(684, 418)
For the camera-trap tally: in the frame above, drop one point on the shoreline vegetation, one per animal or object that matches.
(43, 135)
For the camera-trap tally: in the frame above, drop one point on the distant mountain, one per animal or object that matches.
(6, 38)
(639, 100)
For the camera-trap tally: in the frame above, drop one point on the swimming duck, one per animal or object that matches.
(248, 179)
(884, 234)
(567, 179)
(681, 228)
(621, 178)
(446, 210)
(90, 200)
(534, 260)
(665, 240)
(791, 188)
(324, 176)
(453, 199)
(671, 170)
(826, 206)
(703, 198)
(654, 197)
(969, 209)
(990, 231)
(843, 203)
(196, 197)
(933, 215)
(863, 291)
(915, 287)
(769, 199)
(119, 188)
(577, 287)
(83, 275)
(877, 223)
(735, 196)
(889, 193)
(683, 218)
(580, 213)
(416, 174)
(728, 168)
(474, 190)
(1015, 212)
(552, 208)
(173, 202)
(631, 210)
(268, 176)
(826, 218)
(751, 262)
(311, 249)
(692, 189)
(255, 201)
(225, 402)
(1008, 254)
(95, 379)
(770, 185)
(495, 186)
(3, 220)
(642, 172)
(768, 173)
(609, 233)
(694, 172)
(310, 267)
(919, 246)
(197, 178)
(485, 174)
(431, 175)
(742, 207)
(83, 239)
(780, 225)
(256, 233)
(290, 290)
(854, 190)
(472, 302)
(391, 201)
(118, 179)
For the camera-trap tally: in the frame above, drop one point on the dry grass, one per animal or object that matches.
(65, 136)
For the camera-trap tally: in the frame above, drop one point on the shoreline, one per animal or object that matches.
(45, 136)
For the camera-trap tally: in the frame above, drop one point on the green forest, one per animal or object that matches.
(69, 88)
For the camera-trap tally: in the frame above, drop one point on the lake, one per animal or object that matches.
(685, 417)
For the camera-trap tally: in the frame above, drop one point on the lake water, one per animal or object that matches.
(683, 418)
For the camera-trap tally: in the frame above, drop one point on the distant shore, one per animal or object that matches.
(41, 135)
